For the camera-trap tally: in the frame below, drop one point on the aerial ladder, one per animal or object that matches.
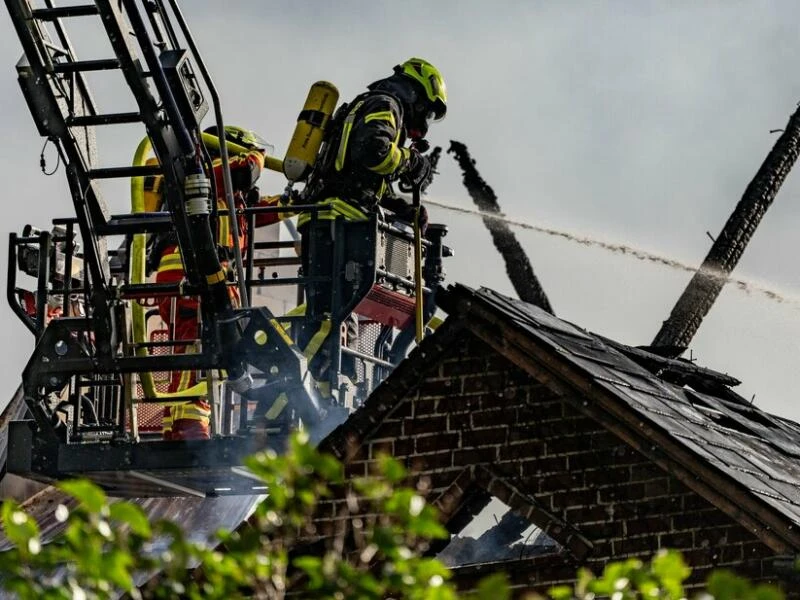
(93, 367)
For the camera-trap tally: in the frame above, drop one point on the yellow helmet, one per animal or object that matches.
(241, 136)
(431, 80)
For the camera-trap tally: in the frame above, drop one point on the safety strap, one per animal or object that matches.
(348, 126)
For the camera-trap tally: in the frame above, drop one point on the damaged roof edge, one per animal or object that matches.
(537, 358)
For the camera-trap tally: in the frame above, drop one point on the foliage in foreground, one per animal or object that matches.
(108, 548)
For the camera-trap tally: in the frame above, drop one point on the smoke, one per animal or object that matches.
(747, 286)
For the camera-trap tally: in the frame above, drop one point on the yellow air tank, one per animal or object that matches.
(307, 138)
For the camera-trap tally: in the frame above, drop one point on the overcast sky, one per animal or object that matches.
(632, 122)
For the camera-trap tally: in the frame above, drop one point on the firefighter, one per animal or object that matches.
(365, 152)
(190, 420)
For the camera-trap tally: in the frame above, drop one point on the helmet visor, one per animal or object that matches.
(437, 112)
(260, 143)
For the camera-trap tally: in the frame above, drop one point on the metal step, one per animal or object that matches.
(107, 119)
(81, 66)
(118, 172)
(51, 14)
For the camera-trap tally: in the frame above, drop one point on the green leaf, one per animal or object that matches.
(767, 592)
(724, 585)
(20, 527)
(312, 567)
(560, 592)
(493, 587)
(133, 515)
(85, 492)
(391, 468)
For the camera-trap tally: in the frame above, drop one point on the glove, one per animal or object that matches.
(252, 197)
(419, 168)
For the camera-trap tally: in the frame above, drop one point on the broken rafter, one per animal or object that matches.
(703, 289)
(518, 266)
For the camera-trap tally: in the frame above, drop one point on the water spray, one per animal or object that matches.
(746, 285)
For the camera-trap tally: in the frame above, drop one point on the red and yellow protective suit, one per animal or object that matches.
(190, 420)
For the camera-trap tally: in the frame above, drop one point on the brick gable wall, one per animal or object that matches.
(476, 420)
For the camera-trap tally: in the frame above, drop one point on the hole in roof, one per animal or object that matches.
(721, 417)
(496, 533)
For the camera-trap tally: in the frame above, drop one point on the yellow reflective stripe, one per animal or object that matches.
(337, 207)
(216, 277)
(389, 164)
(348, 125)
(383, 115)
(188, 410)
(277, 407)
(223, 230)
(297, 311)
(166, 422)
(319, 338)
(435, 322)
(170, 262)
(382, 189)
(281, 331)
(183, 384)
(172, 259)
(198, 389)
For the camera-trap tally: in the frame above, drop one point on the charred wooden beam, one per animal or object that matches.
(518, 266)
(704, 287)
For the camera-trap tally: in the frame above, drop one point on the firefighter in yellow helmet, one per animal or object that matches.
(190, 420)
(372, 142)
(365, 150)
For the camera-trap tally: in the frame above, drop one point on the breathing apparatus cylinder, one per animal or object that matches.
(308, 133)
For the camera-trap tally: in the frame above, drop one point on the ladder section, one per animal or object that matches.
(54, 82)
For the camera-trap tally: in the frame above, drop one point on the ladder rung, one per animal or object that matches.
(103, 64)
(113, 172)
(108, 119)
(279, 261)
(51, 14)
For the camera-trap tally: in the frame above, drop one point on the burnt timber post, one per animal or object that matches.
(706, 284)
(518, 266)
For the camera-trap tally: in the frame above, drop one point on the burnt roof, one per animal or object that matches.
(759, 450)
(683, 417)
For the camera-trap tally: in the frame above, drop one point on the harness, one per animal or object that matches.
(332, 176)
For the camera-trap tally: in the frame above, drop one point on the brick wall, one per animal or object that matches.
(475, 419)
